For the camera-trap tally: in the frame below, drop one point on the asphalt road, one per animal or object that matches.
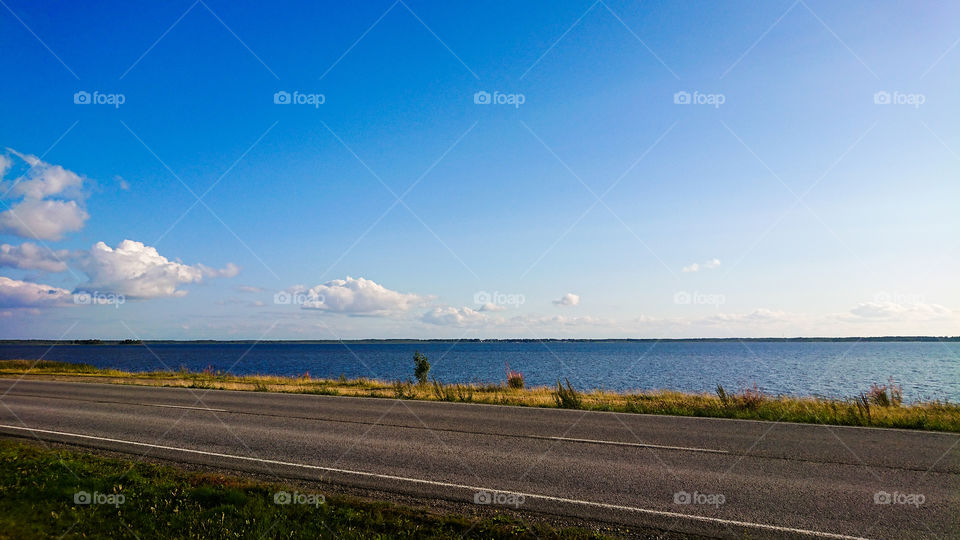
(725, 478)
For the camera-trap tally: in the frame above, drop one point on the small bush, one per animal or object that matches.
(421, 367)
(751, 398)
(403, 390)
(464, 393)
(722, 394)
(567, 398)
(443, 392)
(886, 395)
(863, 406)
(514, 379)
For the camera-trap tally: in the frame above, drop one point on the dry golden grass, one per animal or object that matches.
(868, 409)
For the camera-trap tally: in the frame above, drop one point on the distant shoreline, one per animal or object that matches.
(478, 340)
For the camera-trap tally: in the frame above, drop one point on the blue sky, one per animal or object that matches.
(809, 187)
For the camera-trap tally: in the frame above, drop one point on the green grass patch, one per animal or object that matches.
(39, 486)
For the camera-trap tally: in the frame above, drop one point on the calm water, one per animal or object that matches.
(837, 369)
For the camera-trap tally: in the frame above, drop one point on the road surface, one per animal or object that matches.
(724, 478)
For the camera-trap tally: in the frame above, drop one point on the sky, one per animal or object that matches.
(205, 169)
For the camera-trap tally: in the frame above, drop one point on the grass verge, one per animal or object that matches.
(878, 406)
(40, 489)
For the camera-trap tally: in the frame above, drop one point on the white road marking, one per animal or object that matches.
(180, 407)
(641, 445)
(662, 513)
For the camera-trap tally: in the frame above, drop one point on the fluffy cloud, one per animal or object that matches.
(18, 294)
(229, 271)
(709, 265)
(356, 296)
(30, 256)
(50, 202)
(45, 180)
(43, 219)
(451, 316)
(136, 270)
(568, 299)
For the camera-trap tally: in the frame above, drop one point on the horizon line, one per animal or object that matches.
(475, 340)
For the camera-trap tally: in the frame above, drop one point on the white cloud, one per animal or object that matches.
(357, 296)
(555, 322)
(43, 219)
(490, 306)
(757, 316)
(229, 271)
(451, 316)
(30, 256)
(18, 294)
(239, 302)
(568, 299)
(250, 289)
(709, 265)
(44, 180)
(888, 311)
(136, 270)
(50, 202)
(467, 317)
